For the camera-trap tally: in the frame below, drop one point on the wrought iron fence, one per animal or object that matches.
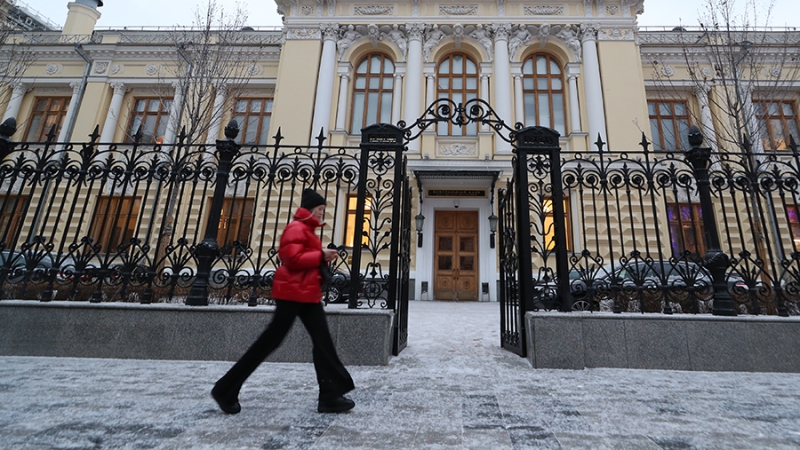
(194, 223)
(669, 232)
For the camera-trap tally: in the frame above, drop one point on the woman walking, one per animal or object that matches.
(297, 292)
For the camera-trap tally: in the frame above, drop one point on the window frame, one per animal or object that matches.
(551, 91)
(163, 113)
(549, 223)
(265, 112)
(11, 221)
(682, 139)
(113, 207)
(230, 219)
(381, 91)
(467, 94)
(696, 225)
(764, 118)
(40, 134)
(348, 238)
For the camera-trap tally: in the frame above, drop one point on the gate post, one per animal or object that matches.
(381, 137)
(208, 249)
(715, 260)
(541, 141)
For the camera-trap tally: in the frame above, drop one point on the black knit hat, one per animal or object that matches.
(311, 199)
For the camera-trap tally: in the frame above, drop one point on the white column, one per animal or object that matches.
(344, 85)
(706, 119)
(411, 103)
(174, 114)
(18, 91)
(430, 88)
(112, 116)
(519, 105)
(594, 87)
(750, 116)
(217, 113)
(573, 70)
(486, 73)
(324, 93)
(397, 95)
(71, 110)
(502, 81)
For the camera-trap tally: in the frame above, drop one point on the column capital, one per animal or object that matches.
(19, 88)
(330, 31)
(118, 87)
(701, 89)
(415, 31)
(588, 32)
(344, 67)
(76, 86)
(501, 31)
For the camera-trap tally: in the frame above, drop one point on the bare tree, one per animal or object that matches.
(750, 66)
(216, 55)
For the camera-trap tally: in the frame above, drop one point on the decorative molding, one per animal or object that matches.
(612, 10)
(347, 36)
(117, 68)
(615, 34)
(373, 10)
(53, 69)
(544, 10)
(330, 31)
(151, 69)
(775, 71)
(300, 34)
(458, 10)
(253, 70)
(484, 37)
(415, 8)
(415, 31)
(459, 149)
(307, 10)
(101, 67)
(501, 8)
(668, 71)
(706, 71)
(587, 8)
(398, 38)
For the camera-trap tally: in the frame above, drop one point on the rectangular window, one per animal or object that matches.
(777, 120)
(350, 221)
(11, 209)
(686, 228)
(152, 114)
(47, 112)
(114, 222)
(793, 214)
(253, 116)
(549, 224)
(236, 221)
(669, 124)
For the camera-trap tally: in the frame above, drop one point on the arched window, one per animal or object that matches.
(457, 79)
(372, 92)
(543, 93)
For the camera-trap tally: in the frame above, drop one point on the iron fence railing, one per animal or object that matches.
(194, 223)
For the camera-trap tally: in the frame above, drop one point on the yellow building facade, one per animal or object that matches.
(582, 68)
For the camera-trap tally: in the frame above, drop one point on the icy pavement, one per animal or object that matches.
(452, 388)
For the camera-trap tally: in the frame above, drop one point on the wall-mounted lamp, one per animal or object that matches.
(419, 220)
(492, 228)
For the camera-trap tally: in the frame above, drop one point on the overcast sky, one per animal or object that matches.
(118, 13)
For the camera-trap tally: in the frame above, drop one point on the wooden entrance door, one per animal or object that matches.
(456, 255)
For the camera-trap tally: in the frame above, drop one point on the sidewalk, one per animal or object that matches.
(452, 388)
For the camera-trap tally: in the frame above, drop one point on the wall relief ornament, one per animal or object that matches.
(398, 38)
(668, 71)
(373, 10)
(458, 10)
(307, 10)
(299, 34)
(484, 37)
(151, 69)
(615, 34)
(347, 36)
(706, 71)
(101, 67)
(52, 69)
(501, 8)
(457, 149)
(543, 10)
(612, 10)
(775, 71)
(415, 31)
(117, 68)
(415, 8)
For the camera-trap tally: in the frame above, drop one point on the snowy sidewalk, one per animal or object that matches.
(452, 388)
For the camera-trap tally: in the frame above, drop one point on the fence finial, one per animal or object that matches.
(232, 129)
(695, 136)
(8, 128)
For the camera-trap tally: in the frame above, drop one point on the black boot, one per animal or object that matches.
(229, 404)
(335, 404)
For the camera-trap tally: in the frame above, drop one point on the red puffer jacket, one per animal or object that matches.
(298, 278)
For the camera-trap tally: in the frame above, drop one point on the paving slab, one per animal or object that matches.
(452, 388)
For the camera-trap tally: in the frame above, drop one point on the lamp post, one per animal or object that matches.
(419, 220)
(492, 229)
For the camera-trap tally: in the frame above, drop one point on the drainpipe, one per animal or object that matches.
(81, 90)
(70, 125)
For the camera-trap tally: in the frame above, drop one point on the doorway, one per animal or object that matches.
(455, 255)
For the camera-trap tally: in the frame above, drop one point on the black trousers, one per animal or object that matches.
(333, 378)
